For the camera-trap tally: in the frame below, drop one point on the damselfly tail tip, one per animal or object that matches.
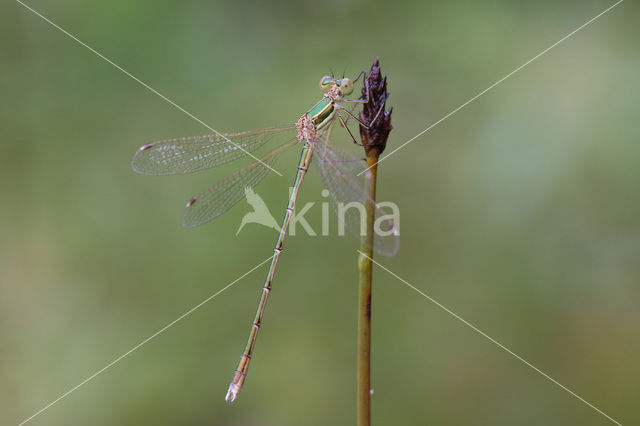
(232, 393)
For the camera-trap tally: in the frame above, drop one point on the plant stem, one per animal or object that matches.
(374, 140)
(364, 303)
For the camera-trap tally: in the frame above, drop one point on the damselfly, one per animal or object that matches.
(338, 170)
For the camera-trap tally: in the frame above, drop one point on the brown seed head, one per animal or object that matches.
(375, 137)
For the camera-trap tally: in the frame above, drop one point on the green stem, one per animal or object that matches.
(364, 303)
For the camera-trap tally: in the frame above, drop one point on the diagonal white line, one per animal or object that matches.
(147, 86)
(493, 85)
(64, 395)
(500, 345)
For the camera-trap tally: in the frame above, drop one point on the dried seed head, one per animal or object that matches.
(373, 112)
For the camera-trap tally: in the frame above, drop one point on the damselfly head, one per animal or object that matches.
(344, 84)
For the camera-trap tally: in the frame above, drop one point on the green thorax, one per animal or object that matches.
(322, 112)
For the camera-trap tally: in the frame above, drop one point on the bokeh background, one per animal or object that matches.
(521, 213)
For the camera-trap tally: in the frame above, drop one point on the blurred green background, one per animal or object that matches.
(521, 213)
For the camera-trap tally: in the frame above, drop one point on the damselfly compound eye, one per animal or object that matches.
(346, 86)
(327, 83)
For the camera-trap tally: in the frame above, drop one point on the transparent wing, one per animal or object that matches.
(191, 154)
(223, 195)
(339, 172)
